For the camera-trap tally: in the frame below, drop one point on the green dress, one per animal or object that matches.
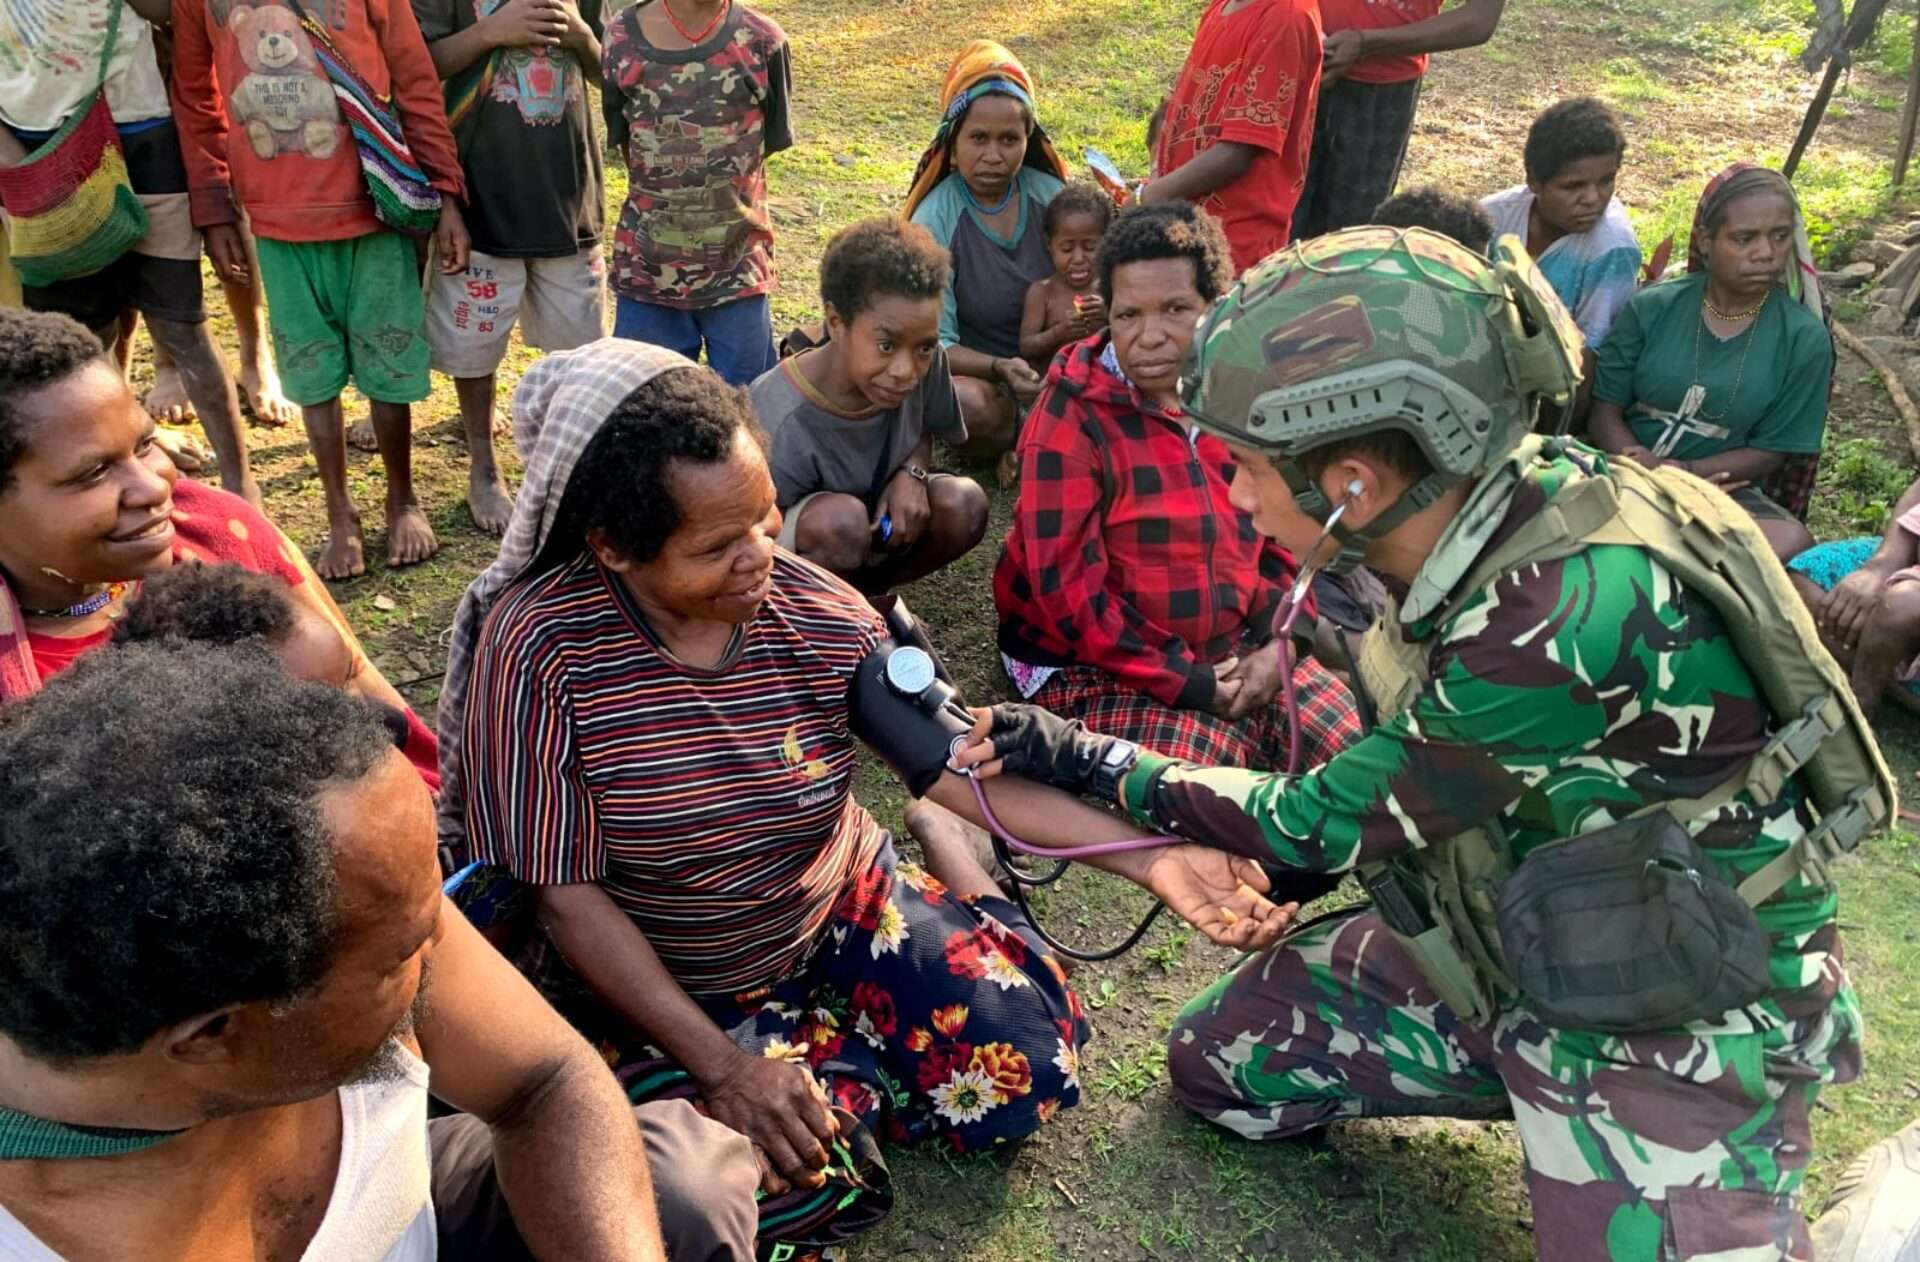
(1764, 388)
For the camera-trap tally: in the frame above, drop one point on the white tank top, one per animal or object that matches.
(382, 1204)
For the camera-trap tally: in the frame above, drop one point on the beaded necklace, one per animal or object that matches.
(86, 608)
(695, 40)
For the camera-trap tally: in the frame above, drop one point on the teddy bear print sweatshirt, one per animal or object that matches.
(259, 124)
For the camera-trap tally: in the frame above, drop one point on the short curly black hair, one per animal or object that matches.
(220, 604)
(1167, 230)
(1567, 131)
(37, 348)
(1438, 211)
(1077, 198)
(620, 482)
(145, 894)
(883, 255)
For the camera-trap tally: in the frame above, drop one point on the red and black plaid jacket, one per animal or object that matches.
(1125, 553)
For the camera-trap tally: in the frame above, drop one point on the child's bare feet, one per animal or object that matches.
(187, 455)
(344, 554)
(363, 437)
(167, 402)
(260, 386)
(410, 537)
(488, 500)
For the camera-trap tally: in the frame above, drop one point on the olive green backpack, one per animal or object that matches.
(1701, 954)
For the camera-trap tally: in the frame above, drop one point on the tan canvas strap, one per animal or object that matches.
(1592, 514)
(1838, 833)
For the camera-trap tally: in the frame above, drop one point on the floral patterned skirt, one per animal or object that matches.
(922, 1014)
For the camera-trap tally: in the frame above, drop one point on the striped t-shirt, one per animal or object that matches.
(712, 805)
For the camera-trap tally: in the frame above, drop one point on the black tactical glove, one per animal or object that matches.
(1041, 746)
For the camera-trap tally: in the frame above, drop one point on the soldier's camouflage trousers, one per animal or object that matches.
(1638, 1147)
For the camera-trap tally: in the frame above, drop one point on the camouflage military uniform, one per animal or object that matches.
(1560, 699)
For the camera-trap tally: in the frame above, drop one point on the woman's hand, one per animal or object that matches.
(1848, 606)
(1221, 895)
(1018, 376)
(905, 501)
(778, 1105)
(1226, 691)
(1259, 675)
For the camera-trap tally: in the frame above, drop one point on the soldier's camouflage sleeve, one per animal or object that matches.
(1578, 686)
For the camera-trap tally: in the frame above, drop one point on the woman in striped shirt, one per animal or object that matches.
(647, 722)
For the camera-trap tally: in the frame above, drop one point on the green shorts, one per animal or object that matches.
(347, 309)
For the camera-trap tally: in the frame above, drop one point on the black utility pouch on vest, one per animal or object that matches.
(1630, 929)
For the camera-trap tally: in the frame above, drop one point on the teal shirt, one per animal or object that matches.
(981, 308)
(1767, 386)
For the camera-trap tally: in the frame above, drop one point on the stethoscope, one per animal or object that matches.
(1285, 616)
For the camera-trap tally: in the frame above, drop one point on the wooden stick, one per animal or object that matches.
(1902, 403)
(1910, 112)
(1815, 112)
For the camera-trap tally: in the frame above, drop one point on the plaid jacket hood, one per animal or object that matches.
(1125, 553)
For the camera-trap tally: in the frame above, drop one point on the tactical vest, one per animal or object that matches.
(1717, 553)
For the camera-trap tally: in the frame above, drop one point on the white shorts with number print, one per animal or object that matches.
(560, 304)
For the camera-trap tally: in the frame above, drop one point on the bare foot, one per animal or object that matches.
(1009, 471)
(344, 555)
(187, 455)
(957, 852)
(409, 537)
(260, 387)
(362, 436)
(488, 501)
(167, 402)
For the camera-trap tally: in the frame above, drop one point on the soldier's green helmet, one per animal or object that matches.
(1373, 329)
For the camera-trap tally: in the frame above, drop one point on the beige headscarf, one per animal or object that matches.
(561, 404)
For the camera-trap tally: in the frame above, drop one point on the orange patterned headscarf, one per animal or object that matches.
(983, 68)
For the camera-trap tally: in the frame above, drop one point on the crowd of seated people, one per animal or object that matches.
(645, 739)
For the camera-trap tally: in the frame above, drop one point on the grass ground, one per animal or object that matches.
(1699, 83)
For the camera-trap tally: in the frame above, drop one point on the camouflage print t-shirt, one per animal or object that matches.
(698, 124)
(1560, 699)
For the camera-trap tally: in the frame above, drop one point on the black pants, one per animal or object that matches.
(1359, 140)
(704, 1177)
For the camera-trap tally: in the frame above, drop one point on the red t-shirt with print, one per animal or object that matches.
(1372, 15)
(1252, 77)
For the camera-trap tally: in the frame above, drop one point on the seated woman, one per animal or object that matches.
(1865, 596)
(980, 189)
(1725, 371)
(646, 719)
(1574, 227)
(90, 507)
(1132, 594)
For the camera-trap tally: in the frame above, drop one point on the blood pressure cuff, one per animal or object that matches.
(913, 733)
